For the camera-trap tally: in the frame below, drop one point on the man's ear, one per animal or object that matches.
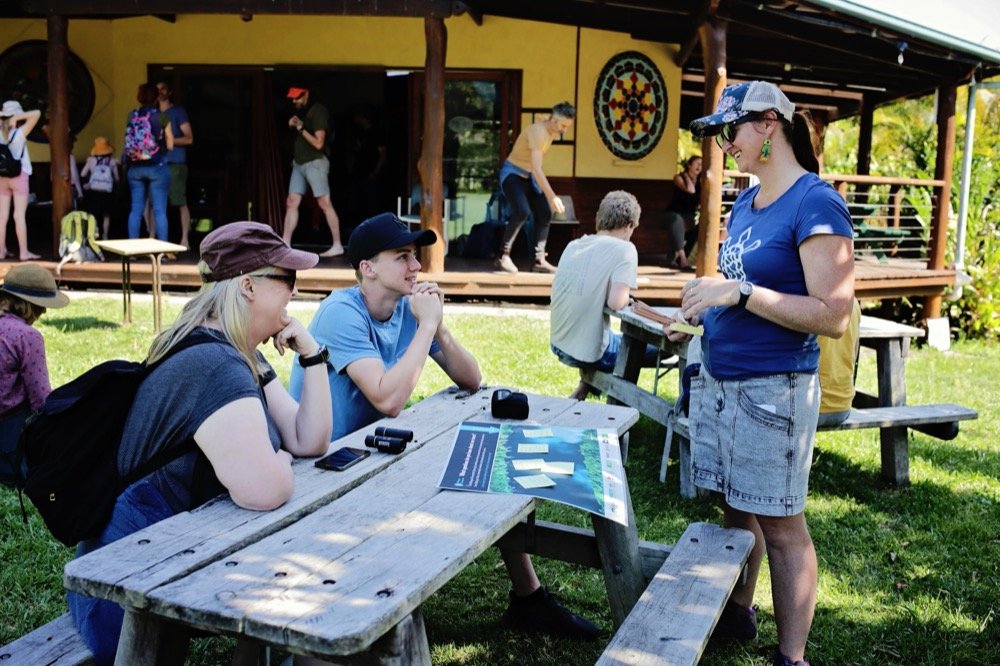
(368, 269)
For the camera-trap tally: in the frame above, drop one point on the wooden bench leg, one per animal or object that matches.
(151, 641)
(618, 546)
(687, 487)
(895, 455)
(404, 644)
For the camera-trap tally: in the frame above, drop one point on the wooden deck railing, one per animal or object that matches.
(892, 217)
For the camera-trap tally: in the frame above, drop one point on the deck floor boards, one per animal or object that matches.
(475, 279)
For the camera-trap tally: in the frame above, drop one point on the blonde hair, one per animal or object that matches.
(222, 302)
(19, 307)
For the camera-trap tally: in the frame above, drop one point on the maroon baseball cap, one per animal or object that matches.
(239, 248)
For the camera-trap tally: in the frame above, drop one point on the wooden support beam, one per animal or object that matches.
(865, 129)
(708, 9)
(161, 8)
(58, 122)
(430, 164)
(942, 171)
(713, 48)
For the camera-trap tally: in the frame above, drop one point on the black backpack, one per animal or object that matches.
(10, 167)
(68, 450)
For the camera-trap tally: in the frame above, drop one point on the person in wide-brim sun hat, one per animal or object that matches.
(102, 147)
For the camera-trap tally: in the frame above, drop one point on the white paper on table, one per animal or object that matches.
(532, 448)
(530, 463)
(535, 481)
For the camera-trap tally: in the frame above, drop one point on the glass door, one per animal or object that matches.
(480, 121)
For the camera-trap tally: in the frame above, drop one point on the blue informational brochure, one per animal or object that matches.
(580, 467)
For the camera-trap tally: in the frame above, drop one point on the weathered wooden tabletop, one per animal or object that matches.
(352, 555)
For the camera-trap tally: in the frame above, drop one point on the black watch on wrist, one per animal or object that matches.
(746, 288)
(321, 356)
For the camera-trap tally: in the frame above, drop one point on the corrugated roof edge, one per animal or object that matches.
(990, 55)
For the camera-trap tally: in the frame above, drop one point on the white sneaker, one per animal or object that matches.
(505, 264)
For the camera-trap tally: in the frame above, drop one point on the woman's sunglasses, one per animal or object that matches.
(287, 278)
(728, 132)
(727, 135)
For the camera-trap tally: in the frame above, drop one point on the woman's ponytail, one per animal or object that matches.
(800, 134)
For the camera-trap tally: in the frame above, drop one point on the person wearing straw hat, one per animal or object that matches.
(15, 126)
(26, 292)
(224, 395)
(787, 269)
(102, 169)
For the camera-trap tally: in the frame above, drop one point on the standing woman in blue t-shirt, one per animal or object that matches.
(788, 275)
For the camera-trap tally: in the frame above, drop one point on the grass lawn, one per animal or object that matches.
(907, 576)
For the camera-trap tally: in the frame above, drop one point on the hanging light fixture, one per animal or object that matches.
(902, 47)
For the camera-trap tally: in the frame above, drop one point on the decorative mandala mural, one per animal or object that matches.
(630, 105)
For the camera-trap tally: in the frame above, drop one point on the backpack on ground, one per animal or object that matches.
(102, 178)
(142, 136)
(70, 447)
(78, 238)
(10, 167)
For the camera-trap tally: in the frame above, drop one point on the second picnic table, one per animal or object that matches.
(890, 340)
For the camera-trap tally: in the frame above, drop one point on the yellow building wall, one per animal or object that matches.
(594, 160)
(118, 52)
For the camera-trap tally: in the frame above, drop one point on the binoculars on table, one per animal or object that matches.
(389, 440)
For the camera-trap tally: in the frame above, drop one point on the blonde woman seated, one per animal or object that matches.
(225, 396)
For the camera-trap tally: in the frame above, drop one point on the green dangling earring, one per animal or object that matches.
(765, 150)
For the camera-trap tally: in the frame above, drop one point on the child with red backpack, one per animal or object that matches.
(148, 137)
(102, 168)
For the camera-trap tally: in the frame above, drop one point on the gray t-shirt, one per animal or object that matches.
(587, 268)
(174, 401)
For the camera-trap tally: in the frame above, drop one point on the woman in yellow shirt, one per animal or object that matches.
(526, 188)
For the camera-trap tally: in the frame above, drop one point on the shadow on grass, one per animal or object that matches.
(77, 324)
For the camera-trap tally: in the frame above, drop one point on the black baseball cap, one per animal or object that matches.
(385, 231)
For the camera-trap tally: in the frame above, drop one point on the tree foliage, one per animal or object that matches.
(904, 143)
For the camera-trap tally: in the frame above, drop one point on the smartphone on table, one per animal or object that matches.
(342, 458)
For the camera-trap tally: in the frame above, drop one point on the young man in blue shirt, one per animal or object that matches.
(379, 335)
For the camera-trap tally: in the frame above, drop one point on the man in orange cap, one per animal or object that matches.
(310, 167)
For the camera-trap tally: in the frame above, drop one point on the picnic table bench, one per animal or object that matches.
(343, 568)
(887, 409)
(56, 643)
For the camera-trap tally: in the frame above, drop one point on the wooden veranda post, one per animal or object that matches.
(58, 121)
(712, 34)
(430, 165)
(942, 171)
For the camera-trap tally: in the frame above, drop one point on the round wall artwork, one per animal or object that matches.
(24, 77)
(630, 105)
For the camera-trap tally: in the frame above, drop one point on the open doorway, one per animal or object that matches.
(240, 162)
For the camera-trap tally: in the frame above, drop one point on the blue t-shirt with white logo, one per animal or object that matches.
(762, 247)
(344, 325)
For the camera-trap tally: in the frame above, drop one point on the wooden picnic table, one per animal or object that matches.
(890, 340)
(344, 566)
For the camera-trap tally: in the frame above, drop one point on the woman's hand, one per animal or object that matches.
(294, 336)
(702, 293)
